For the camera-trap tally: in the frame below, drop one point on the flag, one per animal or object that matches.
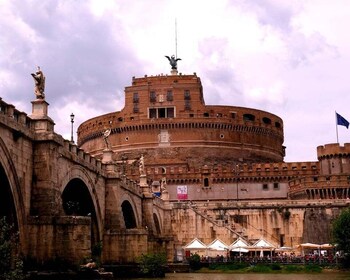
(342, 121)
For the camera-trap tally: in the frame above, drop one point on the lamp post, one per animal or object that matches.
(72, 121)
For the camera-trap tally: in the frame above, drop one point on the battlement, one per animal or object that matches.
(220, 172)
(14, 117)
(333, 150)
(165, 79)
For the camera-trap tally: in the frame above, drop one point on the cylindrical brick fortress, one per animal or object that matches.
(165, 119)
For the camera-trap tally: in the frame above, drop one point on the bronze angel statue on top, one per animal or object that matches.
(173, 61)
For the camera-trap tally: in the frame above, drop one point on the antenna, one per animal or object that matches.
(175, 38)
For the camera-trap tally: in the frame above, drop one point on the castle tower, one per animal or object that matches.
(334, 159)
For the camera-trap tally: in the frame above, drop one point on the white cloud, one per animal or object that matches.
(289, 58)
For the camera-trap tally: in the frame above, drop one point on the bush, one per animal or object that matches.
(293, 268)
(313, 268)
(276, 266)
(260, 269)
(195, 262)
(11, 267)
(153, 265)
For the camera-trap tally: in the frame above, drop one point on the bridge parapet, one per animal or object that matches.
(14, 118)
(72, 151)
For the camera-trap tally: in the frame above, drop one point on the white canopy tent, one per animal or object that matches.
(262, 245)
(240, 246)
(195, 244)
(218, 245)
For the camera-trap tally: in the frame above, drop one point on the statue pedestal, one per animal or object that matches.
(39, 108)
(107, 156)
(144, 186)
(173, 72)
(42, 122)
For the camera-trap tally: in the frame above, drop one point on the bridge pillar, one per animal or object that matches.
(144, 186)
(42, 122)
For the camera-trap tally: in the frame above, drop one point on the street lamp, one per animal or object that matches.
(72, 121)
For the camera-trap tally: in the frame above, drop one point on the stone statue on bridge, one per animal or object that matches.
(105, 138)
(142, 166)
(39, 80)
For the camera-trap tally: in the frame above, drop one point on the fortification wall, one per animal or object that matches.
(281, 223)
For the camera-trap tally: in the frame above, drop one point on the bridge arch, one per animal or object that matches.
(129, 212)
(157, 223)
(11, 197)
(78, 190)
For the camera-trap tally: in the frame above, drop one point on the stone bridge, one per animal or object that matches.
(68, 205)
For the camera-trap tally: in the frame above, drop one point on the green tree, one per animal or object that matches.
(153, 265)
(11, 268)
(341, 233)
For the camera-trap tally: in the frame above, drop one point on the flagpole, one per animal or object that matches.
(336, 125)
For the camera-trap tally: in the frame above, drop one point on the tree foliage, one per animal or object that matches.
(11, 268)
(153, 265)
(341, 232)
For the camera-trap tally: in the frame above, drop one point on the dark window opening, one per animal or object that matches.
(136, 97)
(206, 114)
(248, 117)
(265, 187)
(170, 112)
(187, 105)
(191, 115)
(266, 120)
(161, 113)
(276, 186)
(152, 96)
(277, 124)
(233, 115)
(152, 113)
(187, 95)
(206, 182)
(169, 96)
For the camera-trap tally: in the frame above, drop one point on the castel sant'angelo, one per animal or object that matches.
(164, 170)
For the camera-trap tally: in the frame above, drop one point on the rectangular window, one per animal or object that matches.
(265, 187)
(187, 105)
(152, 113)
(161, 113)
(170, 113)
(169, 95)
(187, 95)
(152, 96)
(136, 97)
(276, 186)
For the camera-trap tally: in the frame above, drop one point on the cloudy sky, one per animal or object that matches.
(291, 58)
